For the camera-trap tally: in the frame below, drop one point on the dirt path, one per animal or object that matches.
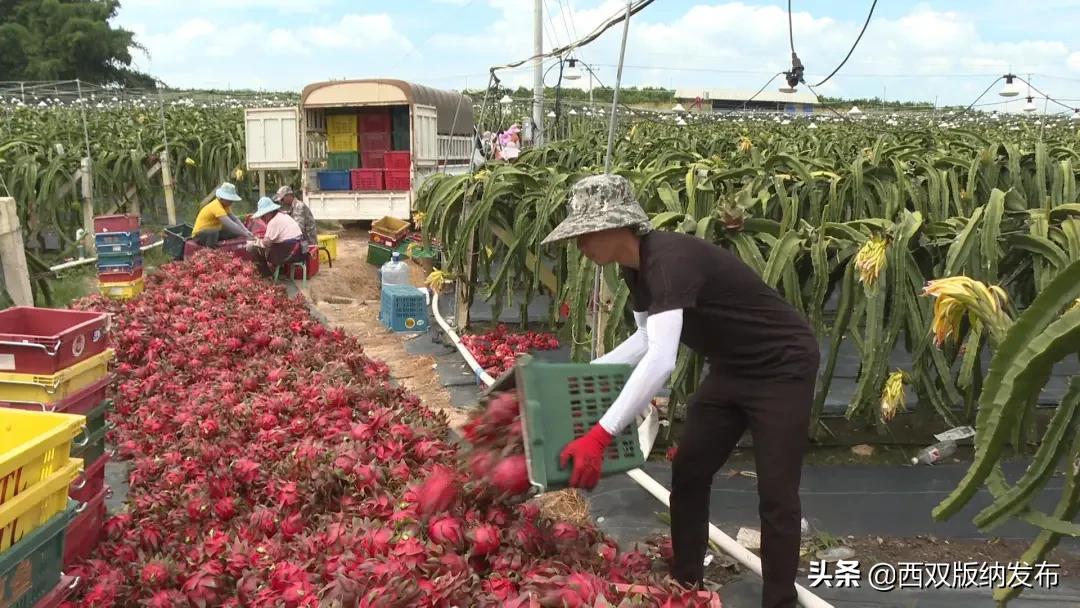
(348, 295)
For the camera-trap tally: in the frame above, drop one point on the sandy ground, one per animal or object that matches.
(348, 295)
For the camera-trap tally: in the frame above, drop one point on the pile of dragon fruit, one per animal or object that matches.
(497, 350)
(272, 463)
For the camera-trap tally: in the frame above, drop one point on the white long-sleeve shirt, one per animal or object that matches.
(653, 350)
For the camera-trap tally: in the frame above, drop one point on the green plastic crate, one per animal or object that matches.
(561, 402)
(96, 428)
(175, 237)
(342, 161)
(377, 255)
(30, 568)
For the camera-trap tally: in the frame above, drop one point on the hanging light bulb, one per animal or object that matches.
(854, 111)
(678, 108)
(1011, 89)
(571, 72)
(551, 114)
(573, 112)
(1030, 105)
(1076, 114)
(506, 100)
(680, 122)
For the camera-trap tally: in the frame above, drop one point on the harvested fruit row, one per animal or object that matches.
(272, 463)
(498, 349)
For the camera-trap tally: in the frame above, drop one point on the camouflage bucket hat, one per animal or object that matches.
(600, 202)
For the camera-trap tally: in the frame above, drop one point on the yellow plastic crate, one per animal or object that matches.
(342, 142)
(339, 124)
(36, 445)
(50, 388)
(329, 242)
(33, 508)
(122, 290)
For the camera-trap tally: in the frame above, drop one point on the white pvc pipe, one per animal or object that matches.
(84, 261)
(643, 479)
(741, 554)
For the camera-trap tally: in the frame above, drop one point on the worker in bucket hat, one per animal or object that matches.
(283, 241)
(216, 222)
(762, 365)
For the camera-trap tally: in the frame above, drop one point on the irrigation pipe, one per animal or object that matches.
(84, 261)
(646, 431)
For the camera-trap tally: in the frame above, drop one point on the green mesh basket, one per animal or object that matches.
(30, 568)
(96, 428)
(561, 402)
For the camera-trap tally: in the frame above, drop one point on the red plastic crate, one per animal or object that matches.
(48, 340)
(90, 482)
(375, 142)
(80, 403)
(367, 179)
(60, 593)
(398, 180)
(121, 277)
(398, 161)
(373, 160)
(116, 223)
(84, 532)
(312, 264)
(374, 121)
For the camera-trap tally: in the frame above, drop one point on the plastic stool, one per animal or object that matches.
(292, 266)
(328, 260)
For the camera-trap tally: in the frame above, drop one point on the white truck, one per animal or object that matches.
(440, 139)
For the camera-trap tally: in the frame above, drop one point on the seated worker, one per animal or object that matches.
(215, 221)
(299, 211)
(283, 242)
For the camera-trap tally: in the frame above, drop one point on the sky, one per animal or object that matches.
(913, 51)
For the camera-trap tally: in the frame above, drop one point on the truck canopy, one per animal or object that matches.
(455, 111)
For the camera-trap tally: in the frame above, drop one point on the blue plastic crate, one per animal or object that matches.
(403, 308)
(117, 242)
(108, 264)
(334, 180)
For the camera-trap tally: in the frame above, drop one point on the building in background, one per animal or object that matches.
(723, 100)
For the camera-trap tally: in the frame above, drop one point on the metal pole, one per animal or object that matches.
(538, 71)
(599, 290)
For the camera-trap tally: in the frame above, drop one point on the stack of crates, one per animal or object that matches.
(343, 152)
(375, 129)
(120, 267)
(399, 129)
(387, 236)
(52, 447)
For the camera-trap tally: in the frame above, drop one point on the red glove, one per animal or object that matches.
(588, 454)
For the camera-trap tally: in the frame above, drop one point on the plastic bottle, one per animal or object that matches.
(395, 272)
(934, 453)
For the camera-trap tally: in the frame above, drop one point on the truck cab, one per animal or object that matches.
(363, 147)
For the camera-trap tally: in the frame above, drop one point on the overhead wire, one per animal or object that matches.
(596, 33)
(866, 23)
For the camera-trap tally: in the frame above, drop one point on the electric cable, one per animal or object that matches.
(1034, 88)
(611, 22)
(790, 28)
(851, 50)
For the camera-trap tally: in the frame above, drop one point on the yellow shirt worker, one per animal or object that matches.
(215, 221)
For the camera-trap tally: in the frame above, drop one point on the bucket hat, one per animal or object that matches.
(227, 192)
(601, 202)
(265, 206)
(281, 193)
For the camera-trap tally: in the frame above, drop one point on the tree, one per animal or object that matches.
(65, 40)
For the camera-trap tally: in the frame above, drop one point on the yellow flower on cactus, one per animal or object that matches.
(238, 174)
(1074, 306)
(189, 161)
(870, 260)
(892, 396)
(418, 220)
(745, 145)
(436, 280)
(959, 296)
(411, 249)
